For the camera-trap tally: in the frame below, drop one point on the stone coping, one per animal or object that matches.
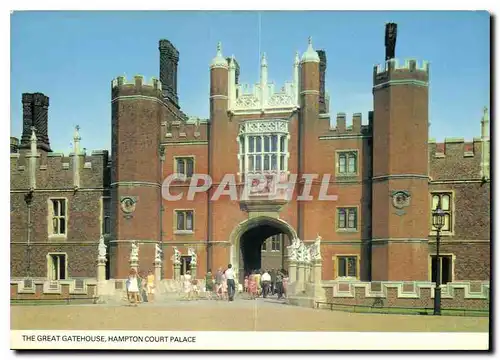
(406, 289)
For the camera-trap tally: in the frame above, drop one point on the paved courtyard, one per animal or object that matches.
(240, 315)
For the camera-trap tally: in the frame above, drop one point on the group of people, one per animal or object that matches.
(266, 283)
(140, 288)
(222, 286)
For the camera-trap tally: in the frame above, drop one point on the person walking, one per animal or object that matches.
(279, 284)
(258, 280)
(252, 285)
(209, 284)
(187, 285)
(150, 286)
(273, 281)
(266, 283)
(229, 274)
(133, 287)
(218, 283)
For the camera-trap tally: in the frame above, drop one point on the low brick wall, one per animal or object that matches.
(40, 289)
(457, 295)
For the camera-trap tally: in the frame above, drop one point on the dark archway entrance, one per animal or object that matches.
(263, 247)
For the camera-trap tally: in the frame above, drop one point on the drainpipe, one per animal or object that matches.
(162, 160)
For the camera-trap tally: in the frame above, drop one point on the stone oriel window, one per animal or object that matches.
(57, 266)
(446, 268)
(184, 220)
(58, 216)
(347, 266)
(347, 163)
(185, 166)
(347, 218)
(447, 207)
(263, 146)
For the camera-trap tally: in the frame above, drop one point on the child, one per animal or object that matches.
(245, 289)
(252, 286)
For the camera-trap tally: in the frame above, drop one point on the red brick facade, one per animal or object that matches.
(392, 155)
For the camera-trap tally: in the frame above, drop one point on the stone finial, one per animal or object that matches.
(263, 60)
(232, 64)
(486, 117)
(76, 135)
(33, 134)
(297, 58)
(310, 55)
(219, 61)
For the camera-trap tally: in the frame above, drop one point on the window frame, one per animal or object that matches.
(51, 217)
(450, 212)
(345, 153)
(49, 260)
(185, 158)
(276, 239)
(175, 223)
(336, 260)
(105, 216)
(347, 210)
(453, 258)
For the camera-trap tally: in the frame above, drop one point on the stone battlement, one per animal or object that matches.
(193, 129)
(340, 127)
(56, 170)
(397, 65)
(137, 81)
(453, 147)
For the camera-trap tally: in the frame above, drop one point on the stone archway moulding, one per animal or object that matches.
(244, 226)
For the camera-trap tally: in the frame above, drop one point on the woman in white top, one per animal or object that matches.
(187, 284)
(133, 287)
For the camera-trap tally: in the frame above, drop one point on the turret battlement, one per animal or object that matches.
(406, 64)
(340, 127)
(121, 86)
(193, 129)
(394, 69)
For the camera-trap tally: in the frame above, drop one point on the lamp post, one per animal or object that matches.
(28, 198)
(438, 223)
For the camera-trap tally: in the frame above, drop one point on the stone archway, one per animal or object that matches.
(253, 223)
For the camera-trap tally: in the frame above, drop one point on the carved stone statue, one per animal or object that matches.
(102, 249)
(158, 252)
(391, 33)
(317, 248)
(307, 253)
(134, 252)
(176, 258)
(293, 249)
(194, 257)
(301, 252)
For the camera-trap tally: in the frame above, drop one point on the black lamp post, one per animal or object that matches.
(438, 223)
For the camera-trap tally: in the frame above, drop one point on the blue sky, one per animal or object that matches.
(73, 56)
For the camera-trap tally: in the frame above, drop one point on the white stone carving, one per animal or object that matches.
(134, 253)
(176, 258)
(102, 249)
(261, 97)
(293, 250)
(158, 252)
(194, 257)
(317, 248)
(264, 126)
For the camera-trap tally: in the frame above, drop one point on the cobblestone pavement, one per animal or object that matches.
(240, 315)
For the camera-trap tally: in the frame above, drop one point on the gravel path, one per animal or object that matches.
(241, 315)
